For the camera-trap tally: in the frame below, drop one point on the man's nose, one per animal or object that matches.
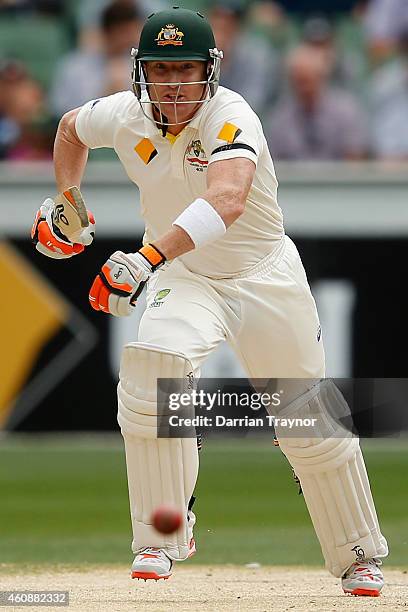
(174, 77)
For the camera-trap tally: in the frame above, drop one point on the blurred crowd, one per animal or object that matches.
(329, 82)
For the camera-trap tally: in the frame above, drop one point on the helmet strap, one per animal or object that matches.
(162, 126)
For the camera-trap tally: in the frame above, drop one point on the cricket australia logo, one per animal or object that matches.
(170, 35)
(159, 297)
(196, 156)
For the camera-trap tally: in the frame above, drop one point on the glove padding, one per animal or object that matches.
(121, 280)
(49, 240)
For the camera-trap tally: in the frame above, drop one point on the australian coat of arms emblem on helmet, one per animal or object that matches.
(170, 35)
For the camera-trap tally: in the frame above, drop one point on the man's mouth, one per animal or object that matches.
(173, 98)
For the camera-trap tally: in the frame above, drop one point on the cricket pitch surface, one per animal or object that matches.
(203, 588)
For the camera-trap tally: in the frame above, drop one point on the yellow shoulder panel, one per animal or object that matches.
(229, 132)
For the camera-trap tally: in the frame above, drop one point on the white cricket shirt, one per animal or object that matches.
(171, 172)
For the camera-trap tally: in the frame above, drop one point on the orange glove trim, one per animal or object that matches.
(123, 287)
(94, 293)
(52, 243)
(104, 299)
(34, 228)
(152, 254)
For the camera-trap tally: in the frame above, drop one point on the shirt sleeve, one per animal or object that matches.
(232, 131)
(98, 120)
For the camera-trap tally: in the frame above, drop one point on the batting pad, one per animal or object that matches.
(334, 480)
(160, 470)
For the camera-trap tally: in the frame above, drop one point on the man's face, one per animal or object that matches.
(307, 78)
(226, 27)
(171, 74)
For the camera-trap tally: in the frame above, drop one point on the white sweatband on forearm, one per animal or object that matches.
(201, 222)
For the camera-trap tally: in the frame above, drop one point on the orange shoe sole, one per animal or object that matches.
(149, 576)
(364, 592)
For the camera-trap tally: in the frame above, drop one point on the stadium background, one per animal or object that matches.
(63, 491)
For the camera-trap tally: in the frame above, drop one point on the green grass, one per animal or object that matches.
(65, 501)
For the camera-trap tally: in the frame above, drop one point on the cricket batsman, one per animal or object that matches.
(216, 254)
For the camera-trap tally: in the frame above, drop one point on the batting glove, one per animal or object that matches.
(122, 278)
(49, 240)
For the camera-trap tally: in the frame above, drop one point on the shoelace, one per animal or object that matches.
(375, 562)
(363, 568)
(150, 552)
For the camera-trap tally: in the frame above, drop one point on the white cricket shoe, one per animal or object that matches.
(152, 564)
(363, 578)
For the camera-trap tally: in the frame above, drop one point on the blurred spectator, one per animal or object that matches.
(351, 45)
(388, 98)
(25, 129)
(46, 7)
(310, 7)
(269, 21)
(84, 75)
(319, 33)
(89, 14)
(10, 73)
(314, 120)
(250, 65)
(385, 21)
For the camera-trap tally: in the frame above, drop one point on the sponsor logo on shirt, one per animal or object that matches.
(170, 35)
(145, 150)
(159, 297)
(196, 156)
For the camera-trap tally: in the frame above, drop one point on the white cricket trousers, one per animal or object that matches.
(267, 315)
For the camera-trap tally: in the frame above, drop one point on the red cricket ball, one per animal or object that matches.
(167, 518)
